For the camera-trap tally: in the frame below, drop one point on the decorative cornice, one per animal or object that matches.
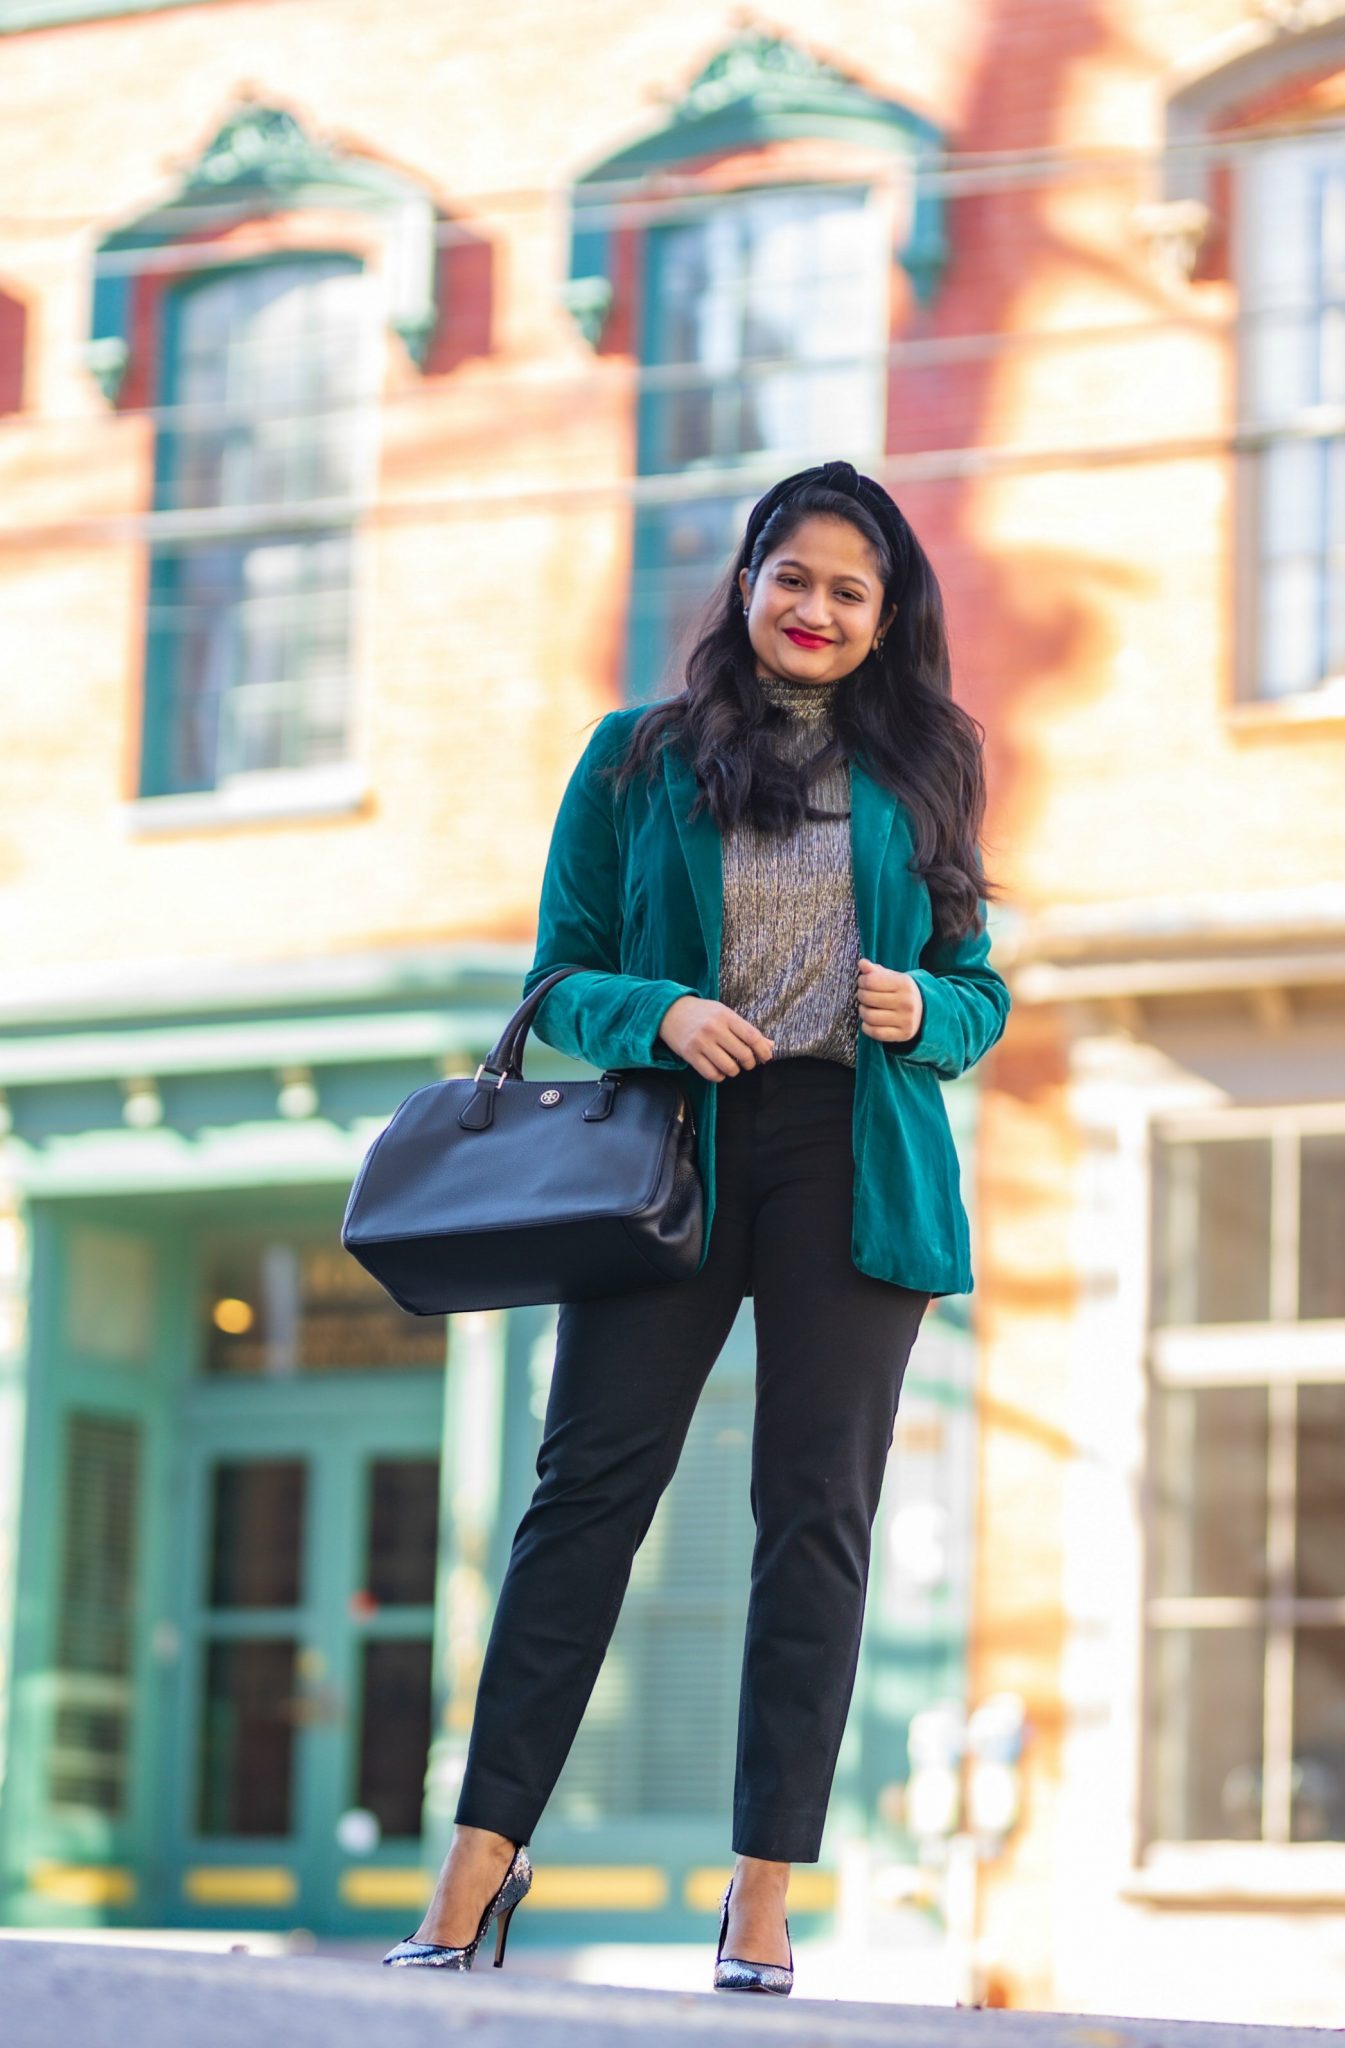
(259, 161)
(756, 90)
(753, 66)
(263, 146)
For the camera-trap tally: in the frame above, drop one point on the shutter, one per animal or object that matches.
(660, 1733)
(89, 1757)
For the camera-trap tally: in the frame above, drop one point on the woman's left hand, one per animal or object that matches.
(890, 1002)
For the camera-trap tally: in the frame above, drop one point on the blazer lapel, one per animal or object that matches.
(873, 810)
(703, 851)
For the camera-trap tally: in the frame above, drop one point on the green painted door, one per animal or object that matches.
(304, 1552)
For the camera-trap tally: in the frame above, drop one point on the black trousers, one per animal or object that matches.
(832, 1347)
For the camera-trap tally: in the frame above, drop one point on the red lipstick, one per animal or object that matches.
(805, 639)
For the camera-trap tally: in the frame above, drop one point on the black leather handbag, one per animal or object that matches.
(499, 1191)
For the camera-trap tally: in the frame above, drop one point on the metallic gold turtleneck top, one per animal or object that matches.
(789, 961)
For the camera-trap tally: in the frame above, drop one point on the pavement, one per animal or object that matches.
(70, 1994)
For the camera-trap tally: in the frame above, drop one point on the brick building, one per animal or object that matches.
(379, 397)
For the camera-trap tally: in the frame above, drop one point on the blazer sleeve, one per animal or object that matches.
(600, 1015)
(965, 1004)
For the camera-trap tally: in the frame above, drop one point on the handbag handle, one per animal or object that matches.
(504, 1062)
(505, 1057)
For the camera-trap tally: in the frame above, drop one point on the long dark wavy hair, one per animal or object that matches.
(896, 709)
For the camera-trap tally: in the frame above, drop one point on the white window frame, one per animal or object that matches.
(1273, 193)
(1120, 1091)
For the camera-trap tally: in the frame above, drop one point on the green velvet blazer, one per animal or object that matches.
(633, 892)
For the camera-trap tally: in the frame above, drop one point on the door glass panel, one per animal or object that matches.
(247, 1739)
(394, 1732)
(1320, 1494)
(256, 1535)
(1321, 1229)
(1211, 1221)
(1318, 1811)
(1209, 1490)
(403, 1531)
(284, 1301)
(1205, 1733)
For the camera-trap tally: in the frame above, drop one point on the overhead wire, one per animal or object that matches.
(964, 173)
(632, 202)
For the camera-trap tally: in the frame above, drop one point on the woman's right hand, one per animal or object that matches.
(712, 1038)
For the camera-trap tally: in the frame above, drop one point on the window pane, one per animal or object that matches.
(1321, 1225)
(394, 1733)
(1291, 500)
(272, 364)
(270, 386)
(403, 1531)
(257, 1533)
(1293, 272)
(1209, 1490)
(680, 550)
(253, 641)
(769, 314)
(279, 1302)
(1318, 1811)
(247, 1739)
(1291, 642)
(1333, 457)
(776, 300)
(1320, 1553)
(1211, 1222)
(1204, 1688)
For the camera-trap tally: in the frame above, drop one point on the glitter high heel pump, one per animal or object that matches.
(734, 1973)
(435, 1955)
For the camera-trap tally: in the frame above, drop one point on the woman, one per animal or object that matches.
(773, 883)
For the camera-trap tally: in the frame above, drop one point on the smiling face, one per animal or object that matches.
(817, 604)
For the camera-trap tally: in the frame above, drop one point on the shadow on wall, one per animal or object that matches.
(1028, 624)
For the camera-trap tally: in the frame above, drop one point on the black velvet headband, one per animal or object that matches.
(843, 477)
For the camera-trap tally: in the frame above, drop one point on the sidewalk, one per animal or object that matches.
(58, 1994)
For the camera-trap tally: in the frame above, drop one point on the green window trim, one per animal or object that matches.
(261, 162)
(757, 90)
(787, 367)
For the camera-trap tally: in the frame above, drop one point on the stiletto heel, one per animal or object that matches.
(514, 1887)
(502, 1935)
(734, 1973)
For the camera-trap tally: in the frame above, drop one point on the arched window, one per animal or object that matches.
(1272, 218)
(269, 373)
(260, 353)
(743, 254)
